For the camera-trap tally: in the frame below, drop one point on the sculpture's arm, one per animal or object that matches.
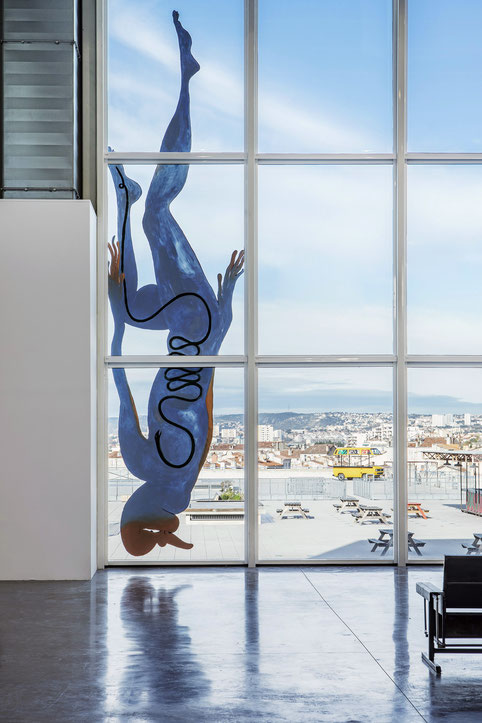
(226, 287)
(115, 281)
(133, 443)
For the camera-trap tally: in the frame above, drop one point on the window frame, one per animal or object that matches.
(399, 361)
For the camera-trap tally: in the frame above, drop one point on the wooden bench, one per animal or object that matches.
(475, 545)
(347, 503)
(414, 544)
(471, 548)
(385, 540)
(292, 509)
(416, 509)
(379, 543)
(371, 513)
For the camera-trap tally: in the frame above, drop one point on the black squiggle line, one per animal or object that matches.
(176, 343)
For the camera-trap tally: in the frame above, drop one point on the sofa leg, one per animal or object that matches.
(431, 664)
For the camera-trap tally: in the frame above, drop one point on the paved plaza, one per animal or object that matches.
(326, 535)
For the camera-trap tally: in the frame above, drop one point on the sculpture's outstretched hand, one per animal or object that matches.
(231, 275)
(116, 279)
(114, 263)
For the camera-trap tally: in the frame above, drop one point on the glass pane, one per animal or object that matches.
(444, 79)
(444, 461)
(444, 259)
(169, 265)
(163, 472)
(325, 76)
(144, 75)
(325, 259)
(325, 452)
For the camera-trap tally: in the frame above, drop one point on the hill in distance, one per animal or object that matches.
(279, 420)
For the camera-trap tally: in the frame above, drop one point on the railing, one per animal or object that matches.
(421, 486)
(428, 485)
(433, 485)
(121, 486)
(311, 488)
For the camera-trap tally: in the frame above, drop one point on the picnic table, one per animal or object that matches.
(416, 508)
(347, 503)
(293, 509)
(475, 545)
(385, 541)
(371, 513)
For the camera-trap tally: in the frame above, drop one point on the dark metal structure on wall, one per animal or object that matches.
(473, 495)
(40, 99)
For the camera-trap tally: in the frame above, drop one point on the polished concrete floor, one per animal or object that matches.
(336, 644)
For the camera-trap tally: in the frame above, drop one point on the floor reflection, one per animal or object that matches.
(455, 696)
(158, 665)
(251, 626)
(400, 627)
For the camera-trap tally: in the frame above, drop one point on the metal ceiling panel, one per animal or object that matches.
(40, 99)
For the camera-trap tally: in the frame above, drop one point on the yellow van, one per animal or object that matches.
(356, 462)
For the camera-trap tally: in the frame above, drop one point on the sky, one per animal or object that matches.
(349, 389)
(325, 232)
(444, 79)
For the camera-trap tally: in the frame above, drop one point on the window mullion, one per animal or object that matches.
(251, 276)
(400, 228)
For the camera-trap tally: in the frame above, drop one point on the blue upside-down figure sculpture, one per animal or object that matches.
(182, 301)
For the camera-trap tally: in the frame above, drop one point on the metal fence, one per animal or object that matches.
(122, 485)
(433, 485)
(426, 485)
(301, 488)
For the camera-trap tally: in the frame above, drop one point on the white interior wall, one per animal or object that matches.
(47, 387)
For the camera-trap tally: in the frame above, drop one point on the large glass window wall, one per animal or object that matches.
(332, 412)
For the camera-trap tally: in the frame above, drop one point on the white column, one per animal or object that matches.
(48, 390)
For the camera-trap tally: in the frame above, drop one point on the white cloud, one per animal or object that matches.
(466, 386)
(134, 29)
(315, 327)
(281, 122)
(131, 87)
(337, 216)
(219, 91)
(433, 330)
(305, 382)
(214, 87)
(445, 209)
(125, 131)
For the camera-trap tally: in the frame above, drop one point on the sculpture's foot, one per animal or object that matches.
(189, 64)
(121, 180)
(141, 536)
